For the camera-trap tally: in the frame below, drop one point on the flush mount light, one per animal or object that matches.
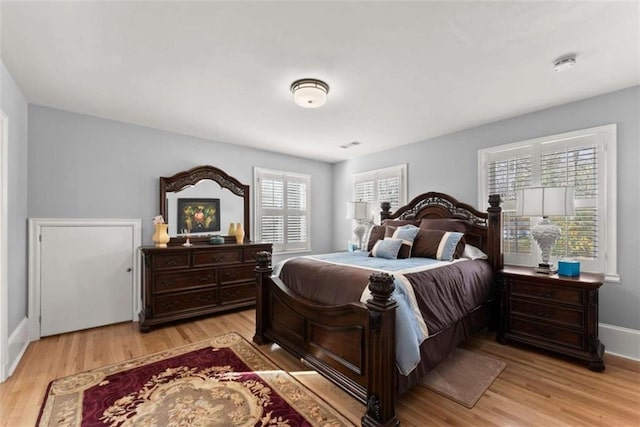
(564, 63)
(310, 93)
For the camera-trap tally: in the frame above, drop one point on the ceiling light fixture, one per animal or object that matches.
(564, 63)
(310, 93)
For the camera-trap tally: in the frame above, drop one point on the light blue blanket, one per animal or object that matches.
(410, 328)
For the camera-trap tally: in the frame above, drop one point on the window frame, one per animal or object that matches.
(285, 247)
(606, 146)
(376, 174)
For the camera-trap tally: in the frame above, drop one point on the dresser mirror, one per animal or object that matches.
(203, 200)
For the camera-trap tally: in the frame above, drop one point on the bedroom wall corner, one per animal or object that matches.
(15, 106)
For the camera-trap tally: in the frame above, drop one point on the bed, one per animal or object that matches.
(353, 342)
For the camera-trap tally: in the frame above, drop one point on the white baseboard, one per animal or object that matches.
(18, 343)
(620, 341)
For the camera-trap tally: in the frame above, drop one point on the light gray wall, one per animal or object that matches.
(449, 164)
(14, 105)
(86, 167)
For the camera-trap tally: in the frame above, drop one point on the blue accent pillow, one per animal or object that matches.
(407, 233)
(386, 248)
(448, 244)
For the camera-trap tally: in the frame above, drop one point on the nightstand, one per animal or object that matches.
(557, 313)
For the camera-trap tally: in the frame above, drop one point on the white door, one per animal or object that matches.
(86, 277)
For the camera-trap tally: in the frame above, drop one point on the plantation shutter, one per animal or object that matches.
(282, 215)
(575, 166)
(506, 177)
(382, 185)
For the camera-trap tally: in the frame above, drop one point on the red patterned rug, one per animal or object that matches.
(220, 382)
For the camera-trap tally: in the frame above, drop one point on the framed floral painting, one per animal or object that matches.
(198, 215)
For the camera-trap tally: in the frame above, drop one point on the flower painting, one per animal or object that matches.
(198, 215)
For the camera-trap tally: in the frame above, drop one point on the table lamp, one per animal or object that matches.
(358, 211)
(544, 202)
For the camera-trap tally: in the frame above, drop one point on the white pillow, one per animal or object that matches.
(471, 252)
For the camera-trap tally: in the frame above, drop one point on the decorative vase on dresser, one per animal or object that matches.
(239, 233)
(161, 236)
(181, 282)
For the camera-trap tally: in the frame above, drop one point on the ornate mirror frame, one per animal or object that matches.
(184, 179)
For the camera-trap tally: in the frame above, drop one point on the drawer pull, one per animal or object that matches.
(167, 282)
(545, 294)
(171, 262)
(545, 314)
(203, 279)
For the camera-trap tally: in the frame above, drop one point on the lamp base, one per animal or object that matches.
(546, 269)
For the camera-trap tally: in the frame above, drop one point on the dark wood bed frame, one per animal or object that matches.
(353, 345)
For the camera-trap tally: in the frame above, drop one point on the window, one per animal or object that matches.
(282, 209)
(382, 185)
(583, 159)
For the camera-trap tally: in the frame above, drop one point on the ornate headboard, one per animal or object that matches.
(484, 229)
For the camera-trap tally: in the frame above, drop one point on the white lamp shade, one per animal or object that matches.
(545, 201)
(357, 210)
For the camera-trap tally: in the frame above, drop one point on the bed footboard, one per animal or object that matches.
(353, 345)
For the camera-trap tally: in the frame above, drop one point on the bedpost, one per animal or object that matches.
(494, 243)
(385, 213)
(263, 271)
(380, 368)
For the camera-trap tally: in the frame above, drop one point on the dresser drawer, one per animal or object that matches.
(186, 279)
(250, 253)
(170, 260)
(542, 332)
(213, 257)
(238, 293)
(240, 273)
(172, 303)
(551, 313)
(552, 293)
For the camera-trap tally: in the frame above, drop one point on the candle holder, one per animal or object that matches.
(187, 232)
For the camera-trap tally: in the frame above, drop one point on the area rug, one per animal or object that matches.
(464, 376)
(220, 382)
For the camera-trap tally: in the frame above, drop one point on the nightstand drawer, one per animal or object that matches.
(552, 293)
(550, 313)
(564, 337)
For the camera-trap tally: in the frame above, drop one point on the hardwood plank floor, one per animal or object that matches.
(535, 389)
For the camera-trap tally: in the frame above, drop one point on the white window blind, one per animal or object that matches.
(580, 159)
(282, 216)
(382, 185)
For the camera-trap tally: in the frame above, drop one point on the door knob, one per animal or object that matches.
(129, 270)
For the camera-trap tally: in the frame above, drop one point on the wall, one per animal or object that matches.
(14, 105)
(87, 167)
(449, 164)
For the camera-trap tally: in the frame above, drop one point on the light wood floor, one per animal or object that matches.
(536, 389)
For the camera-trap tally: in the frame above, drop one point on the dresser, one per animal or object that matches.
(557, 313)
(181, 282)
